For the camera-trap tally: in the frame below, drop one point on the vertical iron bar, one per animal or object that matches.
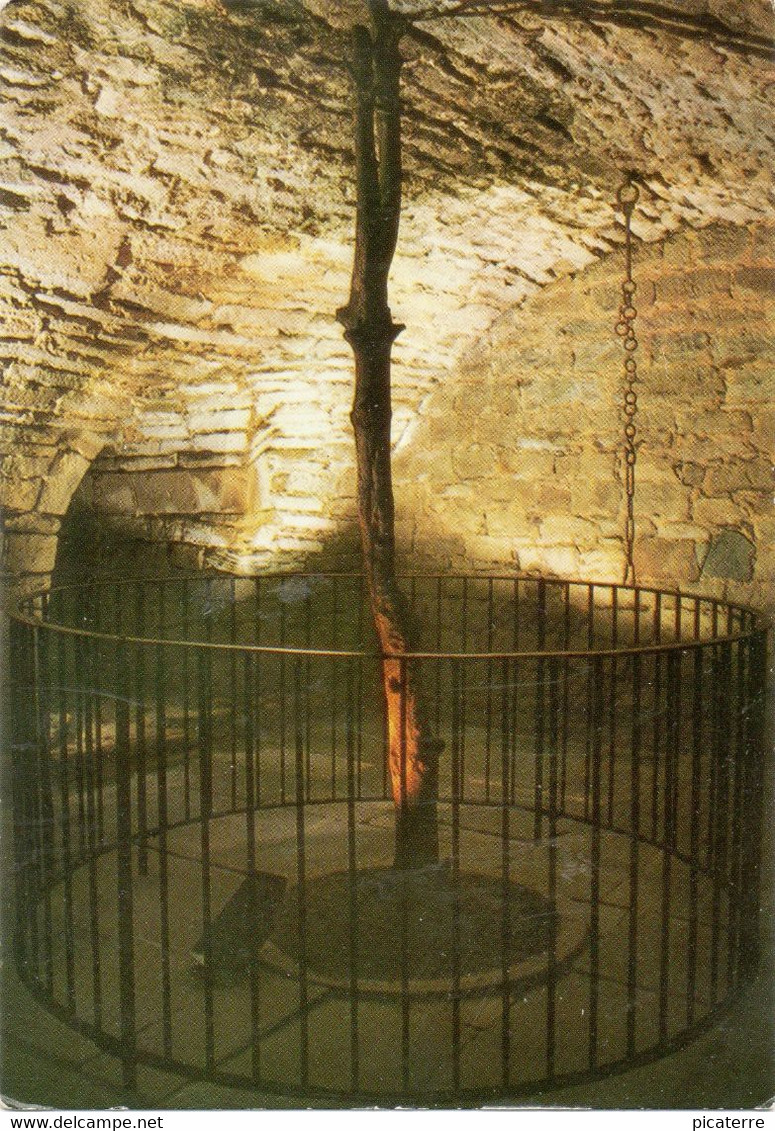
(186, 694)
(668, 843)
(301, 871)
(307, 708)
(513, 729)
(612, 737)
(23, 819)
(657, 728)
(78, 692)
(257, 613)
(140, 737)
(352, 874)
(40, 812)
(385, 726)
(126, 958)
(98, 744)
(456, 752)
(47, 828)
(516, 616)
(66, 824)
(540, 709)
(405, 1000)
(736, 879)
(281, 693)
(463, 684)
(670, 750)
(505, 882)
(91, 830)
(635, 785)
(714, 746)
(234, 700)
(677, 736)
(359, 702)
(464, 614)
(565, 697)
(250, 843)
(334, 682)
(205, 751)
(463, 724)
(594, 893)
(612, 712)
(489, 681)
(160, 681)
(753, 791)
(720, 852)
(118, 609)
(438, 639)
(590, 696)
(551, 976)
(256, 706)
(694, 833)
(29, 750)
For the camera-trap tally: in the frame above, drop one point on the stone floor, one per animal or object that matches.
(45, 1063)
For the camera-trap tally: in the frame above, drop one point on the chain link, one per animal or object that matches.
(627, 196)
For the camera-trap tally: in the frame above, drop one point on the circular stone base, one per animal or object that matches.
(416, 930)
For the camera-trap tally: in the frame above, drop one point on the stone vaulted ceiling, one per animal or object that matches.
(176, 198)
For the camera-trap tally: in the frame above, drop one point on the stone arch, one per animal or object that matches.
(37, 489)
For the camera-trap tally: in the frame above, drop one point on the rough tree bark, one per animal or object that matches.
(370, 330)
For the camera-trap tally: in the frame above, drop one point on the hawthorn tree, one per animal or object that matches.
(413, 750)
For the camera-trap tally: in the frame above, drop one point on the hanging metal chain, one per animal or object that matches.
(627, 196)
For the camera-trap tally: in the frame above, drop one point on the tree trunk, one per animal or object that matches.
(369, 328)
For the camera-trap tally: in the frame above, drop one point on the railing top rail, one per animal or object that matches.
(757, 623)
(403, 575)
(408, 575)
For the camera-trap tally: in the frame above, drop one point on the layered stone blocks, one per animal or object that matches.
(520, 455)
(513, 459)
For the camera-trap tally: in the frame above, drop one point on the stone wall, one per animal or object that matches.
(515, 459)
(518, 459)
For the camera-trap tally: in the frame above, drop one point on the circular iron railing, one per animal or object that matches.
(204, 833)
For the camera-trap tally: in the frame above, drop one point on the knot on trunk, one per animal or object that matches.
(427, 756)
(368, 335)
